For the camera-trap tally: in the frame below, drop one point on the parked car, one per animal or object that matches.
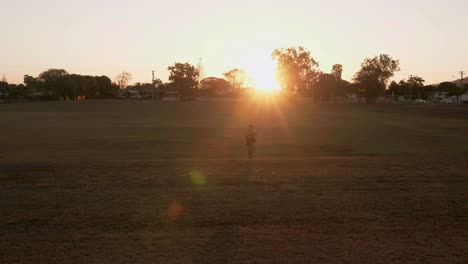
(421, 101)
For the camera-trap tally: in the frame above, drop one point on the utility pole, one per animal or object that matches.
(461, 80)
(152, 88)
(461, 86)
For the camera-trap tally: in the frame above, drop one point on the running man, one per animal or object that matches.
(250, 140)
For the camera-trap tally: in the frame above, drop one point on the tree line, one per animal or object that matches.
(58, 84)
(413, 87)
(297, 72)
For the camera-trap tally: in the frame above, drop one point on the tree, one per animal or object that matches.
(415, 81)
(356, 89)
(374, 75)
(51, 81)
(69, 87)
(31, 82)
(415, 85)
(213, 86)
(238, 79)
(157, 83)
(4, 89)
(393, 88)
(337, 71)
(297, 70)
(57, 84)
(330, 85)
(123, 79)
(17, 91)
(328, 88)
(325, 87)
(411, 87)
(183, 78)
(32, 85)
(105, 87)
(449, 87)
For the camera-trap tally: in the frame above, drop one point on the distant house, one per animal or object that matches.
(437, 96)
(450, 100)
(444, 97)
(464, 98)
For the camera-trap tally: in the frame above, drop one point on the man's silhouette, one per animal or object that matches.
(250, 140)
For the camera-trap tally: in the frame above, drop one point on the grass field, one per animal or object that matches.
(165, 182)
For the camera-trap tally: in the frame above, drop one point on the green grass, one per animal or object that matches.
(113, 181)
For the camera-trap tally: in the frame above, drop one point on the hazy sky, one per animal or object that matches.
(104, 37)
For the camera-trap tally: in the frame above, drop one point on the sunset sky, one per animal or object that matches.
(105, 37)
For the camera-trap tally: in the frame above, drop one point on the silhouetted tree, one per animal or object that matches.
(411, 88)
(331, 86)
(18, 91)
(32, 83)
(374, 75)
(325, 87)
(4, 89)
(183, 78)
(393, 88)
(213, 86)
(163, 88)
(449, 87)
(297, 70)
(415, 85)
(51, 81)
(356, 89)
(337, 71)
(123, 79)
(106, 87)
(57, 84)
(238, 79)
(69, 87)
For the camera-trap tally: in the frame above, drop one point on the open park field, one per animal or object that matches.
(170, 182)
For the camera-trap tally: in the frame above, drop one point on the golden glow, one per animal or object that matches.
(263, 75)
(265, 96)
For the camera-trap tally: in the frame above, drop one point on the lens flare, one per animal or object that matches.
(197, 178)
(175, 210)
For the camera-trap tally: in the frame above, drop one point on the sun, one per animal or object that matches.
(263, 76)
